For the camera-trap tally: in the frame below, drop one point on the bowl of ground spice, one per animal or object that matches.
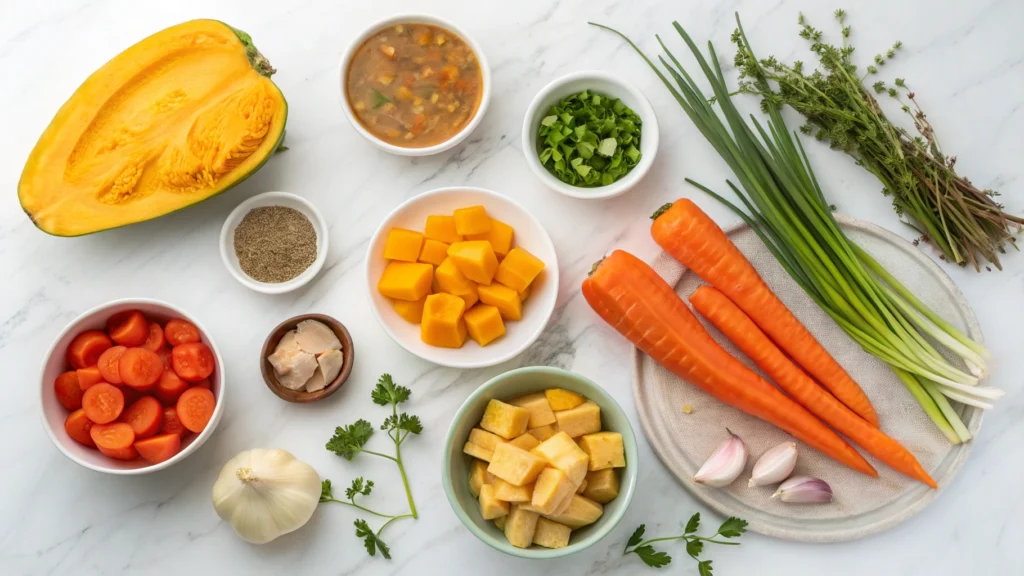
(274, 242)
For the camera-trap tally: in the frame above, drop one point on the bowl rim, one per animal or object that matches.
(203, 436)
(404, 18)
(235, 217)
(301, 396)
(629, 478)
(552, 266)
(651, 135)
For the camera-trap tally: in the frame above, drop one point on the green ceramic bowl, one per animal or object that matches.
(455, 470)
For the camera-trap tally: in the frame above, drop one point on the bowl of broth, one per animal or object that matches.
(414, 85)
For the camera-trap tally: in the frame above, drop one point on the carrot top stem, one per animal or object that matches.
(660, 211)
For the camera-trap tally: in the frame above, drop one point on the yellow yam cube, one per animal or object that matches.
(485, 439)
(403, 245)
(515, 465)
(542, 433)
(478, 476)
(551, 534)
(505, 420)
(525, 293)
(560, 399)
(406, 280)
(539, 408)
(484, 324)
(412, 312)
(561, 452)
(551, 490)
(583, 419)
(500, 237)
(433, 252)
(499, 522)
(475, 259)
(602, 485)
(442, 323)
(520, 526)
(472, 220)
(490, 506)
(580, 512)
(451, 281)
(518, 269)
(442, 229)
(478, 451)
(525, 441)
(581, 489)
(505, 299)
(511, 493)
(605, 450)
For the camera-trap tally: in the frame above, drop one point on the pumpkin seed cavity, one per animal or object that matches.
(275, 244)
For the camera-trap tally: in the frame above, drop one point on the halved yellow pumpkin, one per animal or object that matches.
(177, 118)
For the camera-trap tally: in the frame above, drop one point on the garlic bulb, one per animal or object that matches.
(774, 466)
(725, 465)
(265, 493)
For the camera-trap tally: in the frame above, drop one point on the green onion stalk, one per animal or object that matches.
(785, 206)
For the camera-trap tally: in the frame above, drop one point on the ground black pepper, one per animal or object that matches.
(275, 244)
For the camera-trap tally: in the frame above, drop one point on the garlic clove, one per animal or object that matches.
(804, 490)
(774, 466)
(725, 464)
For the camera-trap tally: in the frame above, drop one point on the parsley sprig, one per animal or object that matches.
(731, 528)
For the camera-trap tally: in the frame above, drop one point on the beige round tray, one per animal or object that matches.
(863, 506)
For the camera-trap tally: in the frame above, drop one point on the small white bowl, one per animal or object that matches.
(54, 413)
(485, 96)
(605, 84)
(529, 234)
(227, 240)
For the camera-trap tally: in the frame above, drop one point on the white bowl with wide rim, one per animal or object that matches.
(529, 235)
(485, 74)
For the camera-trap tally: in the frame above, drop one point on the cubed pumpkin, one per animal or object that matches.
(505, 420)
(403, 245)
(412, 312)
(490, 506)
(515, 465)
(561, 452)
(484, 324)
(452, 281)
(511, 493)
(500, 237)
(580, 512)
(442, 229)
(472, 220)
(524, 294)
(520, 526)
(602, 485)
(561, 399)
(505, 299)
(583, 419)
(550, 534)
(605, 450)
(442, 323)
(518, 269)
(433, 252)
(406, 280)
(475, 259)
(538, 406)
(551, 490)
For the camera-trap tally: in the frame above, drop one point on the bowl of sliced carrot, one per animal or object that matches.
(131, 387)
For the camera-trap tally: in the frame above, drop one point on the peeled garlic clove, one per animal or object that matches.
(804, 490)
(774, 466)
(725, 465)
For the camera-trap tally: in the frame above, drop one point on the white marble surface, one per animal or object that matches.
(966, 59)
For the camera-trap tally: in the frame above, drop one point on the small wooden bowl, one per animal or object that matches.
(301, 396)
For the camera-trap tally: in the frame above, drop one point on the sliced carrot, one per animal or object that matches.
(159, 448)
(178, 331)
(114, 436)
(68, 390)
(172, 424)
(108, 364)
(691, 237)
(192, 361)
(156, 341)
(86, 348)
(77, 425)
(631, 297)
(128, 328)
(89, 376)
(128, 453)
(195, 408)
(140, 368)
(103, 403)
(169, 387)
(145, 416)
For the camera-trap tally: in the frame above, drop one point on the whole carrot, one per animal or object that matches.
(683, 230)
(741, 330)
(633, 299)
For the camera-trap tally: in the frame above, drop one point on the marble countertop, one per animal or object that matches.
(965, 59)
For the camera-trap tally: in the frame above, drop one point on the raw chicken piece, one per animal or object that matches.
(317, 382)
(282, 360)
(287, 342)
(330, 364)
(315, 337)
(300, 367)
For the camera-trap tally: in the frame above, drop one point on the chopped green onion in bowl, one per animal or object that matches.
(589, 139)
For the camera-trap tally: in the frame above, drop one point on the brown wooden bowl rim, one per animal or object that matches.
(300, 396)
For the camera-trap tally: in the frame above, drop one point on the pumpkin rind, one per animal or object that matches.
(179, 117)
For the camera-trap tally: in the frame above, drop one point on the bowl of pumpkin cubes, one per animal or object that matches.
(540, 463)
(462, 277)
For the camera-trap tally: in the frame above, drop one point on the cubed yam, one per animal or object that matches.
(451, 281)
(484, 324)
(538, 407)
(478, 451)
(403, 245)
(518, 269)
(528, 507)
(475, 259)
(515, 465)
(524, 294)
(579, 490)
(406, 280)
(512, 493)
(561, 452)
(583, 419)
(412, 312)
(500, 237)
(499, 522)
(602, 485)
(520, 526)
(581, 512)
(472, 220)
(564, 504)
(505, 299)
(542, 433)
(471, 297)
(525, 441)
(551, 490)
(551, 534)
(505, 420)
(485, 439)
(442, 229)
(561, 399)
(442, 323)
(478, 476)
(433, 252)
(490, 506)
(605, 450)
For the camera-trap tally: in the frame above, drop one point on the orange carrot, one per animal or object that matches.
(691, 237)
(195, 408)
(145, 416)
(103, 403)
(742, 331)
(77, 425)
(634, 300)
(158, 448)
(114, 440)
(89, 376)
(68, 390)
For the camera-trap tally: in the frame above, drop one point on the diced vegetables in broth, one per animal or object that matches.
(414, 85)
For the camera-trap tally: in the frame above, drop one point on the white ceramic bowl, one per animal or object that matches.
(54, 413)
(605, 84)
(485, 96)
(227, 240)
(529, 234)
